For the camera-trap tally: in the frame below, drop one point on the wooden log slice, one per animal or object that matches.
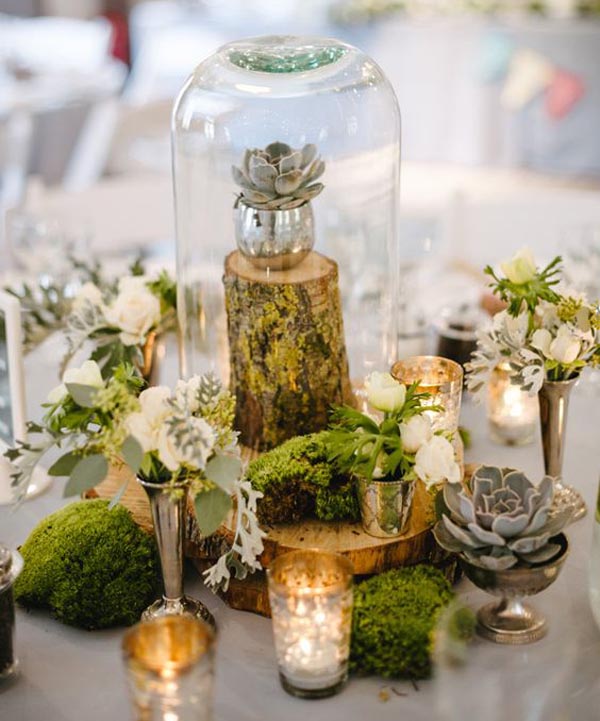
(288, 360)
(369, 555)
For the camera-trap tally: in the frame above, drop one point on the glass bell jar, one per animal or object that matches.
(286, 162)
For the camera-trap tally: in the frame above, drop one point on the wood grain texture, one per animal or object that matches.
(369, 555)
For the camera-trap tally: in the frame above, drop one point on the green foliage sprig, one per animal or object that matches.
(359, 444)
(528, 294)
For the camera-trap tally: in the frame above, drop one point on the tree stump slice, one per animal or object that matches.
(288, 360)
(368, 555)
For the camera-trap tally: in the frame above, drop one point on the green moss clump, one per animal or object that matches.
(298, 482)
(91, 566)
(394, 616)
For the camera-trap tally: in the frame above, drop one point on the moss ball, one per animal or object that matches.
(299, 482)
(91, 566)
(393, 621)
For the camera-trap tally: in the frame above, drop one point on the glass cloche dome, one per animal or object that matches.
(286, 158)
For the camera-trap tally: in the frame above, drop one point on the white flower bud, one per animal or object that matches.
(521, 267)
(384, 392)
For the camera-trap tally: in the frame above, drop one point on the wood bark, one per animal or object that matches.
(288, 361)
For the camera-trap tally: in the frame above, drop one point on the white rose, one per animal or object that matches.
(384, 392)
(153, 403)
(521, 267)
(541, 340)
(133, 283)
(416, 431)
(145, 426)
(135, 311)
(87, 375)
(138, 426)
(89, 292)
(435, 462)
(566, 346)
(173, 456)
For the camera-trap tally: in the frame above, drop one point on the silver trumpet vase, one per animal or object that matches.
(554, 406)
(169, 507)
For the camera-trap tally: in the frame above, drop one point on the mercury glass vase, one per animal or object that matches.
(169, 507)
(384, 506)
(170, 669)
(311, 596)
(554, 406)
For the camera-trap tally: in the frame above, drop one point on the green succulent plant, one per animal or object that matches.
(279, 177)
(500, 519)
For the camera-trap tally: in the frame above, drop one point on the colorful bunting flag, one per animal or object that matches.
(496, 52)
(529, 73)
(563, 93)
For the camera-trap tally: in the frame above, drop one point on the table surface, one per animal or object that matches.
(67, 673)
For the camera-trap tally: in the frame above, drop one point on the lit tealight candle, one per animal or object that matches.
(512, 412)
(442, 379)
(311, 604)
(169, 662)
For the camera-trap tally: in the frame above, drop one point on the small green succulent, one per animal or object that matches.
(279, 177)
(500, 519)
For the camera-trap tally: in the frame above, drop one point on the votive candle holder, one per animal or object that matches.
(311, 597)
(170, 669)
(512, 413)
(442, 378)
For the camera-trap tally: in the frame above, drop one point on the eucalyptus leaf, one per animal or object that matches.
(118, 495)
(224, 470)
(82, 395)
(89, 472)
(64, 465)
(133, 453)
(211, 509)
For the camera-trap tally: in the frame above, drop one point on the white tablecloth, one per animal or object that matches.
(67, 674)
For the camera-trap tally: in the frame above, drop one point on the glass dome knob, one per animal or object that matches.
(284, 54)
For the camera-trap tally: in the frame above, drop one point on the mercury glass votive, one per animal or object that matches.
(442, 379)
(311, 604)
(170, 668)
(512, 412)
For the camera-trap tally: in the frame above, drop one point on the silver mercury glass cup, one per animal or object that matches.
(274, 239)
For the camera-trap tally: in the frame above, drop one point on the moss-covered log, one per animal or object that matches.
(288, 362)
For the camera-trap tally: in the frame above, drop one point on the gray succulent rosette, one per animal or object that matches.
(500, 519)
(279, 177)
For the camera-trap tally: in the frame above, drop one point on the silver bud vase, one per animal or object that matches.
(274, 239)
(169, 507)
(554, 406)
(384, 506)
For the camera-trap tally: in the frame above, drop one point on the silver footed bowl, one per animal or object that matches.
(510, 620)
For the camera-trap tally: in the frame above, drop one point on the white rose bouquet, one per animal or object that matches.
(545, 332)
(161, 436)
(122, 319)
(401, 446)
